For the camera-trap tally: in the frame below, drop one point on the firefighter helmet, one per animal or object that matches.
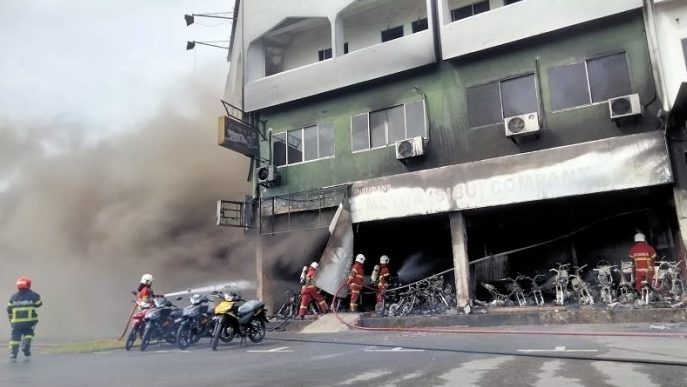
(23, 283)
(384, 260)
(314, 265)
(360, 258)
(147, 279)
(639, 237)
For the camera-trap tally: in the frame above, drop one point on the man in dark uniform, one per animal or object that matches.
(21, 312)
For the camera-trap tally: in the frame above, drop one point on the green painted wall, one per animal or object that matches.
(451, 141)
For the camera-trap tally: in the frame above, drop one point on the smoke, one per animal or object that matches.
(85, 217)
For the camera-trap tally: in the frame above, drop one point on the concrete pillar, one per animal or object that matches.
(459, 244)
(337, 37)
(263, 283)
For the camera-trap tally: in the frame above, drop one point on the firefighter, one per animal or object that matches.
(643, 256)
(355, 281)
(382, 277)
(144, 293)
(310, 291)
(21, 312)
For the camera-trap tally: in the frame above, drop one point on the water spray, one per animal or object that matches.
(233, 285)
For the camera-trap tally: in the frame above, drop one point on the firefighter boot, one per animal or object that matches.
(14, 349)
(26, 346)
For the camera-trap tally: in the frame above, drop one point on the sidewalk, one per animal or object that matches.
(515, 316)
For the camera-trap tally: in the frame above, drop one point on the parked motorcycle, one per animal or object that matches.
(138, 323)
(194, 322)
(248, 320)
(160, 322)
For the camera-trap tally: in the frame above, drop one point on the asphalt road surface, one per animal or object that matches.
(379, 359)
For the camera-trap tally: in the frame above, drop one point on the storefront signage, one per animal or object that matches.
(605, 165)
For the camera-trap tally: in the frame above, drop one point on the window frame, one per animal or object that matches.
(472, 10)
(386, 125)
(537, 96)
(304, 144)
(390, 30)
(589, 87)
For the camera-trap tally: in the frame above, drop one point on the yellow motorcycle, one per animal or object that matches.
(248, 320)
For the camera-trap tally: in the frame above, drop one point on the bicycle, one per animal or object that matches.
(561, 280)
(626, 289)
(604, 273)
(580, 288)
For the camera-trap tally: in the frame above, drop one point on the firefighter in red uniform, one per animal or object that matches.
(355, 281)
(382, 277)
(643, 256)
(144, 293)
(21, 312)
(310, 291)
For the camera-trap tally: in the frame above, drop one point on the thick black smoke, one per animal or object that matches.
(85, 219)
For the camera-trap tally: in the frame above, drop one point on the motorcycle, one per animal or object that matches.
(160, 322)
(137, 323)
(248, 320)
(194, 322)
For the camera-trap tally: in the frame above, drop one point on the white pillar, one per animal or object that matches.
(459, 244)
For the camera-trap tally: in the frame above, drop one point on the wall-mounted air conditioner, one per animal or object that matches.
(625, 106)
(522, 124)
(268, 176)
(410, 147)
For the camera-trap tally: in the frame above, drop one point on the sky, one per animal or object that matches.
(103, 62)
(109, 163)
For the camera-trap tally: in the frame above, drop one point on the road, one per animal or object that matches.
(379, 359)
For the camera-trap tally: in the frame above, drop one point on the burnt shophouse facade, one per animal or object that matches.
(491, 137)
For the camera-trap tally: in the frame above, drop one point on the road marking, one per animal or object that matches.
(274, 350)
(558, 349)
(397, 349)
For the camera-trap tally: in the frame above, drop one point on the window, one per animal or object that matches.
(591, 81)
(327, 53)
(509, 2)
(684, 50)
(299, 145)
(324, 54)
(392, 33)
(419, 25)
(469, 10)
(491, 103)
(382, 127)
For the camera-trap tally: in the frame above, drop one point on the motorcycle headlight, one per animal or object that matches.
(153, 314)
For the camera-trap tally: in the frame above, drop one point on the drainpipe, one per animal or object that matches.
(654, 54)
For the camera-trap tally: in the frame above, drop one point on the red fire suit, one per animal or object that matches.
(643, 256)
(355, 284)
(383, 282)
(309, 292)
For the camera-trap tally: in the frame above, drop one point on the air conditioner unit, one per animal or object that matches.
(410, 147)
(625, 106)
(522, 124)
(268, 176)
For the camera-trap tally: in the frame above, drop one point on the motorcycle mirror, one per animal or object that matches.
(133, 292)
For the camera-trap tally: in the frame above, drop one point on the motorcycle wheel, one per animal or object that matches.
(256, 330)
(131, 338)
(183, 336)
(216, 333)
(147, 335)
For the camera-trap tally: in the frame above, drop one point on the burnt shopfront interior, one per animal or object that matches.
(527, 238)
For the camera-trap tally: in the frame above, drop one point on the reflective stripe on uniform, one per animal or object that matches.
(23, 314)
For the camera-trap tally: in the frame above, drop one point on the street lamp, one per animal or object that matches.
(191, 18)
(190, 45)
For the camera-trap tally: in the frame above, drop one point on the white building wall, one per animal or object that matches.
(305, 46)
(671, 28)
(519, 21)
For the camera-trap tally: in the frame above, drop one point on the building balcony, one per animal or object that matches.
(468, 26)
